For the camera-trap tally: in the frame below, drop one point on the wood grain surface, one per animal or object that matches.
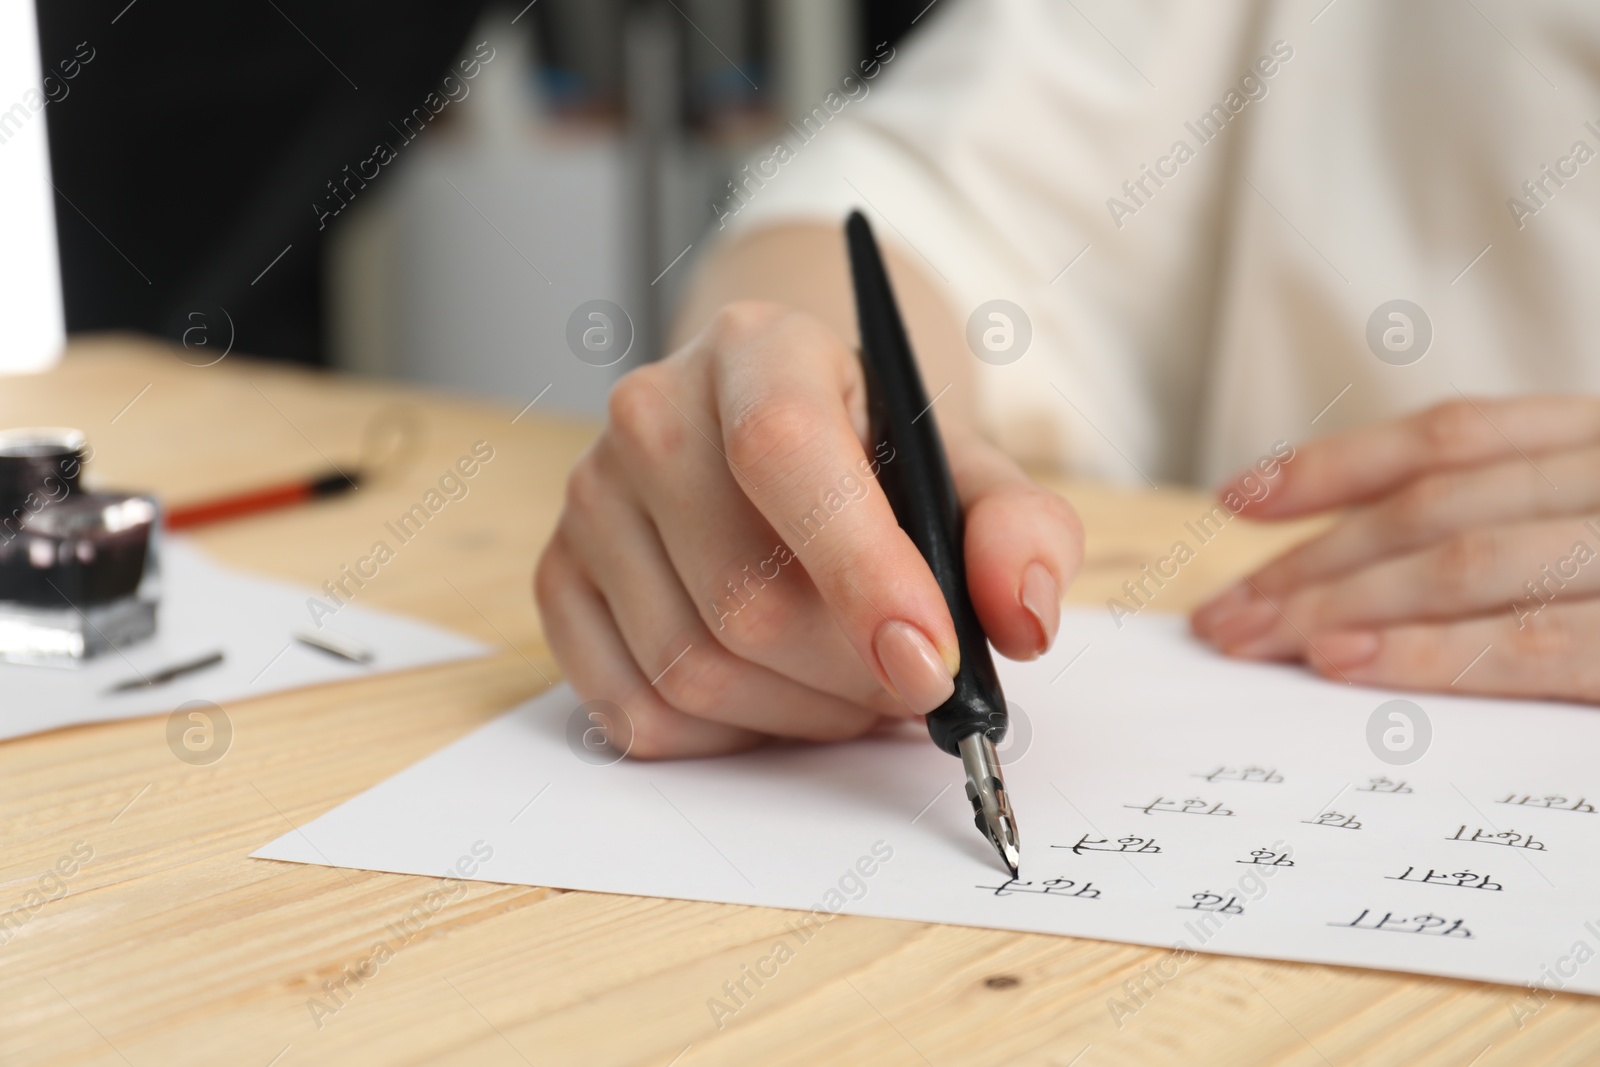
(168, 945)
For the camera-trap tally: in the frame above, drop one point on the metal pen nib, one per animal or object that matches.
(991, 806)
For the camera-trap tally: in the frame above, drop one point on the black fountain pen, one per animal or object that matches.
(923, 497)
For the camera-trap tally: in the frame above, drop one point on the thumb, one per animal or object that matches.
(1024, 545)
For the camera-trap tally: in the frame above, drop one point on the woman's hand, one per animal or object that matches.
(726, 568)
(1468, 561)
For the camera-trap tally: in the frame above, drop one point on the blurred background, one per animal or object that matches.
(424, 191)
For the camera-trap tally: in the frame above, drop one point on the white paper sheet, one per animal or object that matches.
(1119, 720)
(205, 607)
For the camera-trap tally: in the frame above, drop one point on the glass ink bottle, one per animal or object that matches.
(78, 569)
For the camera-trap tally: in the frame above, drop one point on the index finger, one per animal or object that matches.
(789, 399)
(1360, 465)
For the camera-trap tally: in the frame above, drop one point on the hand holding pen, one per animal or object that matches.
(727, 567)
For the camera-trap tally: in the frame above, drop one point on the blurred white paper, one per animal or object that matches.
(30, 280)
(1165, 796)
(207, 607)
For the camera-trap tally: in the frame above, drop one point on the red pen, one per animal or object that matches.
(253, 501)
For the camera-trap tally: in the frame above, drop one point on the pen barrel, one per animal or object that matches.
(916, 479)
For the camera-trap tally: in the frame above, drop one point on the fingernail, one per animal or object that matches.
(1042, 598)
(1348, 650)
(920, 678)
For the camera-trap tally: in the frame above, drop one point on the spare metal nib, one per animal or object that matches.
(991, 807)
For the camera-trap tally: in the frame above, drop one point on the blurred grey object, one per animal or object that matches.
(568, 175)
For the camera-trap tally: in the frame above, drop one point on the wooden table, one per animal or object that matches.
(171, 946)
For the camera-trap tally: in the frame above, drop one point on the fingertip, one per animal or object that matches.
(1325, 668)
(645, 727)
(698, 740)
(1023, 549)
(1205, 619)
(1346, 650)
(1256, 621)
(1258, 495)
(1241, 504)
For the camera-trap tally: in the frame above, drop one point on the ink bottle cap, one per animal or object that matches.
(78, 569)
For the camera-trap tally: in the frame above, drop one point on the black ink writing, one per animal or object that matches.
(1214, 902)
(1335, 819)
(1269, 858)
(1509, 838)
(1464, 879)
(1123, 844)
(1265, 775)
(1436, 925)
(1193, 806)
(1053, 887)
(1554, 803)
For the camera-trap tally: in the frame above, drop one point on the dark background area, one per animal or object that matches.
(193, 145)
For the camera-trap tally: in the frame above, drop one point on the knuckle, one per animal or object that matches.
(1465, 560)
(738, 323)
(766, 439)
(1308, 610)
(552, 576)
(1062, 512)
(1453, 429)
(702, 680)
(1406, 656)
(1417, 509)
(636, 407)
(588, 487)
(751, 624)
(544, 581)
(1545, 640)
